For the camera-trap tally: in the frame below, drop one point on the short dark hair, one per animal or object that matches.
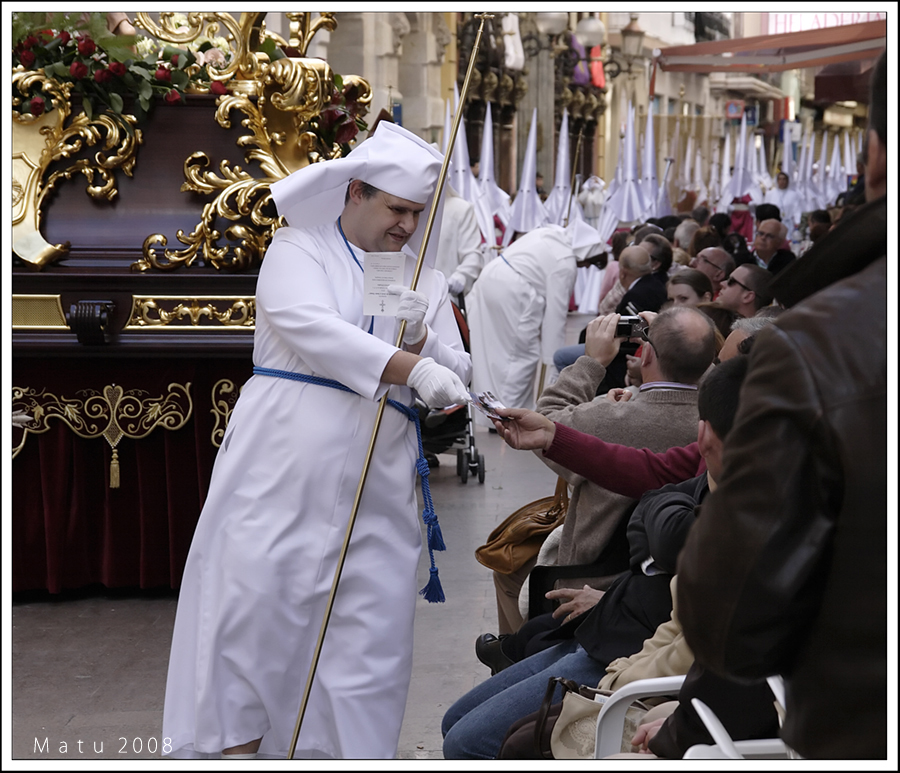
(758, 279)
(660, 250)
(878, 98)
(668, 221)
(682, 358)
(820, 216)
(720, 223)
(718, 395)
(367, 191)
(767, 212)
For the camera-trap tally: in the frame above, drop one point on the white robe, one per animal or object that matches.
(788, 203)
(517, 315)
(264, 553)
(459, 248)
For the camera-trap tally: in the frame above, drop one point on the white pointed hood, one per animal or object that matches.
(528, 210)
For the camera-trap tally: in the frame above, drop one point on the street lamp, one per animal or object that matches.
(632, 39)
(590, 32)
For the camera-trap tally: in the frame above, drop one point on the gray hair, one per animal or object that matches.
(751, 325)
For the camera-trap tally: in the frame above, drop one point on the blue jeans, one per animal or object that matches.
(474, 726)
(566, 355)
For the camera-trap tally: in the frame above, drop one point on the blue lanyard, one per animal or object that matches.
(355, 260)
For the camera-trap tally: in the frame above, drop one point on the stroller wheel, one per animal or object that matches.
(464, 470)
(460, 461)
(481, 468)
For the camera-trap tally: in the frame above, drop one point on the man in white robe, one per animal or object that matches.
(264, 553)
(788, 202)
(459, 257)
(518, 307)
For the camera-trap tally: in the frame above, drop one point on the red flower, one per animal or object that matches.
(172, 96)
(174, 59)
(30, 41)
(27, 58)
(346, 132)
(78, 69)
(64, 37)
(86, 46)
(163, 74)
(117, 68)
(102, 76)
(328, 118)
(37, 105)
(217, 88)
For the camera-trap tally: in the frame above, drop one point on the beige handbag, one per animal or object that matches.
(574, 734)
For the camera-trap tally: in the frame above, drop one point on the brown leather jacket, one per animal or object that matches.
(785, 570)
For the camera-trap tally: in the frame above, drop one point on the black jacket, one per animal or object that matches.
(786, 570)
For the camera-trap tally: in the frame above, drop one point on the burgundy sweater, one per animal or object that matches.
(622, 469)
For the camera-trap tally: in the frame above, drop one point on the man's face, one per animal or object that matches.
(768, 238)
(734, 289)
(783, 181)
(384, 223)
(710, 263)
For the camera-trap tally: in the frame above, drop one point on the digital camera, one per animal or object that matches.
(630, 327)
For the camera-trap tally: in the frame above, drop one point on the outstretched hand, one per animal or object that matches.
(525, 430)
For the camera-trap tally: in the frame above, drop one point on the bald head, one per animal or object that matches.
(634, 262)
(716, 263)
(684, 342)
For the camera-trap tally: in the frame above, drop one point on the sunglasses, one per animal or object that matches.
(642, 332)
(731, 281)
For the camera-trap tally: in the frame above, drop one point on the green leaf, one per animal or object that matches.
(88, 107)
(115, 101)
(144, 102)
(180, 78)
(338, 82)
(129, 80)
(145, 90)
(142, 72)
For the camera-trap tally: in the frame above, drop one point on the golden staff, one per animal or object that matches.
(365, 471)
(574, 170)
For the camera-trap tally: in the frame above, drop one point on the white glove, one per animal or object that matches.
(412, 308)
(437, 386)
(456, 283)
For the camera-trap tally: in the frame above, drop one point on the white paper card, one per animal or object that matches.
(380, 271)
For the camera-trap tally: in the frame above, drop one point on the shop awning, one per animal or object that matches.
(774, 53)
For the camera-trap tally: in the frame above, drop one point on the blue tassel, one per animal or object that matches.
(436, 538)
(433, 592)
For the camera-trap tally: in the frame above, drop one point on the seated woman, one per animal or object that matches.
(689, 287)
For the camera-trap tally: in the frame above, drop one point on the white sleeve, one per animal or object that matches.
(559, 289)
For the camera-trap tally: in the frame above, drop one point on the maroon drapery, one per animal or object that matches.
(69, 528)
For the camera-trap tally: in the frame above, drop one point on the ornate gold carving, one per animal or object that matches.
(38, 142)
(290, 93)
(156, 313)
(112, 414)
(224, 398)
(37, 311)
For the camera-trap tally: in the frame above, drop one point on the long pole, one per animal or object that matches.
(365, 471)
(574, 171)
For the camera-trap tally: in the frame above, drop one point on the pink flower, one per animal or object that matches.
(164, 74)
(172, 96)
(27, 58)
(217, 88)
(78, 69)
(102, 76)
(86, 46)
(37, 106)
(117, 68)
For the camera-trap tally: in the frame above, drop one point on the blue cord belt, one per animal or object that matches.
(433, 591)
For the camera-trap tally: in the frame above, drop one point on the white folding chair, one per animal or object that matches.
(611, 720)
(725, 748)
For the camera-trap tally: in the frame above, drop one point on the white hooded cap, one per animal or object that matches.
(392, 159)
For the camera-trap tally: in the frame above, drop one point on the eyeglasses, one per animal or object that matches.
(714, 265)
(731, 281)
(764, 235)
(642, 332)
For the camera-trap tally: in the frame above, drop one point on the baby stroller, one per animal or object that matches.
(443, 430)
